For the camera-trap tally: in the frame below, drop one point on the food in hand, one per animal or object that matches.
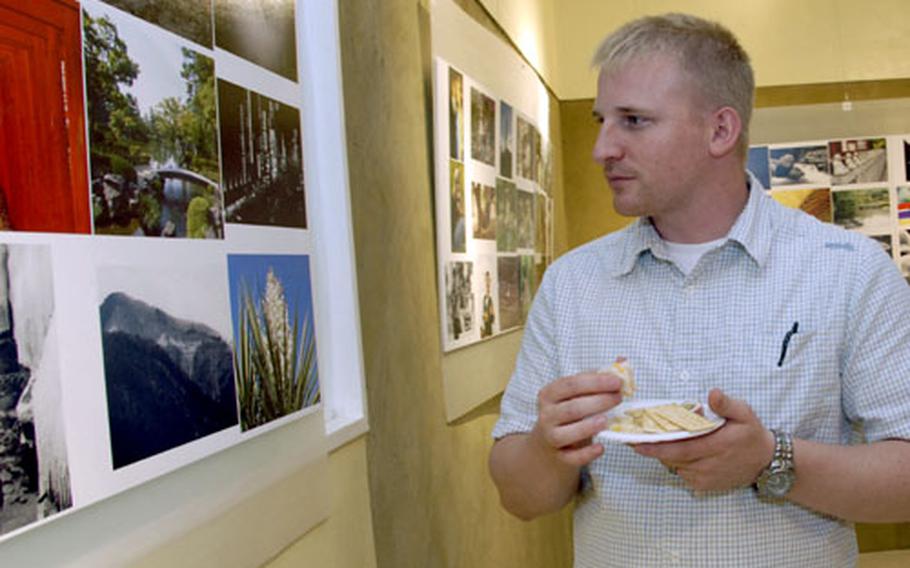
(623, 369)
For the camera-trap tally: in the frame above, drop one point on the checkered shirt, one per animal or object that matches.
(847, 367)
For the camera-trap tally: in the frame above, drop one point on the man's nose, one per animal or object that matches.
(607, 146)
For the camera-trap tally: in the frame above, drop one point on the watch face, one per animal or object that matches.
(779, 483)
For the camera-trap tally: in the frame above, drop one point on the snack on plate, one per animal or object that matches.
(623, 369)
(660, 419)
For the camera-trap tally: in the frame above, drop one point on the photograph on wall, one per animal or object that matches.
(799, 165)
(459, 299)
(152, 131)
(456, 115)
(43, 166)
(507, 270)
(540, 223)
(274, 336)
(906, 160)
(885, 242)
(528, 140)
(262, 159)
(168, 366)
(815, 202)
(483, 127)
(34, 469)
(506, 215)
(191, 19)
(757, 163)
(526, 220)
(483, 206)
(527, 284)
(903, 206)
(261, 32)
(862, 160)
(903, 251)
(506, 140)
(487, 311)
(457, 207)
(866, 211)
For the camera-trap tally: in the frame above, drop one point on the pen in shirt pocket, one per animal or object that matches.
(786, 343)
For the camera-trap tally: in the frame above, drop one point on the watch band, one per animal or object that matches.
(776, 480)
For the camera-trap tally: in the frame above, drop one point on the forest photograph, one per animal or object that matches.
(152, 131)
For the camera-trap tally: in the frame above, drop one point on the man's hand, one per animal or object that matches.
(538, 472)
(731, 457)
(570, 411)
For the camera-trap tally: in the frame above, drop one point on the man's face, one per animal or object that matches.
(653, 136)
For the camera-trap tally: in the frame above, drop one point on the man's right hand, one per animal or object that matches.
(570, 411)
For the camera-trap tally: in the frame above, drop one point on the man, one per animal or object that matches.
(717, 294)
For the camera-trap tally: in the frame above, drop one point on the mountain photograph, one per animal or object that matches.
(169, 380)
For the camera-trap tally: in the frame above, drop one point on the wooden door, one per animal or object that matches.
(43, 172)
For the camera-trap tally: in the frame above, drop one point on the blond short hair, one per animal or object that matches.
(707, 51)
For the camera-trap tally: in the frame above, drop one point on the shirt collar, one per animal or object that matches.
(751, 231)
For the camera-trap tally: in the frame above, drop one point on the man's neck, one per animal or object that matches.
(710, 215)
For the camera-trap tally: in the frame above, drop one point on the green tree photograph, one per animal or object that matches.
(152, 131)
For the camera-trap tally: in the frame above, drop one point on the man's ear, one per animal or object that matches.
(725, 127)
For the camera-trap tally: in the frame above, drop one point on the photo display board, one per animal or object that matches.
(859, 183)
(157, 300)
(493, 208)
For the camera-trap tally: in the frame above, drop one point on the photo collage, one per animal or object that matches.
(156, 260)
(494, 228)
(860, 183)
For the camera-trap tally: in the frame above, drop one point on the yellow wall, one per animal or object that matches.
(345, 540)
(433, 503)
(791, 42)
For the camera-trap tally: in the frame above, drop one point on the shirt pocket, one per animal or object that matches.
(790, 382)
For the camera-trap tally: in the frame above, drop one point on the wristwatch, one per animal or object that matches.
(777, 478)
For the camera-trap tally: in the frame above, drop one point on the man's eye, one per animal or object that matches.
(634, 120)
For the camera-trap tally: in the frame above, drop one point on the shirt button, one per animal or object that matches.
(684, 376)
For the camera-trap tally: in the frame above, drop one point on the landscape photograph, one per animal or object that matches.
(483, 127)
(34, 468)
(152, 131)
(274, 336)
(168, 364)
(262, 158)
(509, 302)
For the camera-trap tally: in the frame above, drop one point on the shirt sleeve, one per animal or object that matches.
(876, 364)
(535, 366)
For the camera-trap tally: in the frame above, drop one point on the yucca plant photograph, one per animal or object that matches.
(274, 336)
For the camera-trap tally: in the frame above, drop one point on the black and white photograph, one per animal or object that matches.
(34, 469)
(483, 128)
(528, 140)
(459, 299)
(168, 364)
(153, 132)
(456, 115)
(457, 206)
(866, 211)
(483, 206)
(526, 221)
(509, 296)
(799, 165)
(506, 139)
(262, 159)
(863, 160)
(191, 19)
(263, 33)
(506, 216)
(757, 163)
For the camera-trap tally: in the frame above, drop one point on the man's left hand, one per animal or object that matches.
(727, 458)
